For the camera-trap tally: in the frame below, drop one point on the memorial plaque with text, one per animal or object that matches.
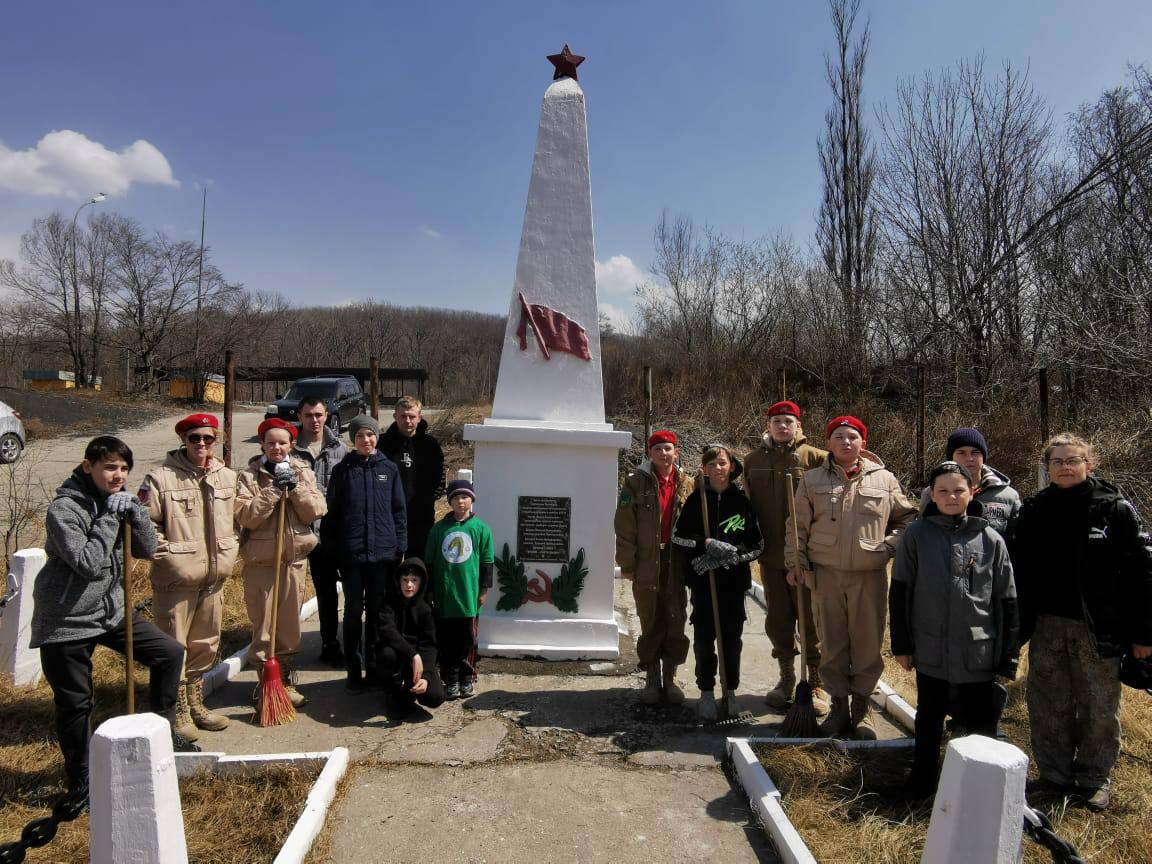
(543, 528)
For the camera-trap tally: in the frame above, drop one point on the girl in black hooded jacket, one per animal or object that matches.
(731, 542)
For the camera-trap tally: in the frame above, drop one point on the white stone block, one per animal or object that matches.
(978, 816)
(464, 474)
(135, 798)
(16, 658)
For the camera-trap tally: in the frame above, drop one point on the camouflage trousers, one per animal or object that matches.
(1073, 704)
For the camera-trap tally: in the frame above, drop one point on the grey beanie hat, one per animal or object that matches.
(362, 421)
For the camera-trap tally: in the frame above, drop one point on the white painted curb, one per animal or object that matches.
(308, 826)
(230, 667)
(311, 820)
(765, 799)
(756, 592)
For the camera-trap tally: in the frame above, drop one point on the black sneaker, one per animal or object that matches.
(354, 683)
(73, 803)
(180, 744)
(332, 654)
(452, 690)
(466, 687)
(1096, 800)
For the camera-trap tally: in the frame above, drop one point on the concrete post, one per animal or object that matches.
(135, 799)
(978, 817)
(16, 658)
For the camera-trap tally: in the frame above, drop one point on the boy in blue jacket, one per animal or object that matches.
(366, 528)
(79, 602)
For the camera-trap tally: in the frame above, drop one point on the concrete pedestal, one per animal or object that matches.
(16, 658)
(135, 799)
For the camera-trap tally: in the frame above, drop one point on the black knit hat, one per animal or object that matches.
(966, 437)
(460, 487)
(949, 468)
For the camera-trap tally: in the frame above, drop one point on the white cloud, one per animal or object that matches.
(69, 164)
(429, 231)
(618, 277)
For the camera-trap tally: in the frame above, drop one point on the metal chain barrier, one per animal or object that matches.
(40, 832)
(1039, 828)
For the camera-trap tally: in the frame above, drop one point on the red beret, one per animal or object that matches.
(846, 420)
(663, 436)
(276, 423)
(197, 421)
(784, 407)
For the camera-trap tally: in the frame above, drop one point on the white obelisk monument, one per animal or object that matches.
(545, 461)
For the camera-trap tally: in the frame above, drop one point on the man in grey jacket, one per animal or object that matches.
(322, 449)
(991, 488)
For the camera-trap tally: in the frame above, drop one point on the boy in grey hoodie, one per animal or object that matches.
(79, 602)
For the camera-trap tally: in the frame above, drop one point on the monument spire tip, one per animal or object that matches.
(565, 63)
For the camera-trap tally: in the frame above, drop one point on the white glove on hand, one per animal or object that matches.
(120, 503)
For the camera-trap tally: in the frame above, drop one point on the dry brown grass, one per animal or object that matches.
(838, 801)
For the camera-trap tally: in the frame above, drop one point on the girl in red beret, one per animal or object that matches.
(270, 478)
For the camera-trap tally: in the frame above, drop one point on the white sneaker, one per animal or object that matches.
(707, 707)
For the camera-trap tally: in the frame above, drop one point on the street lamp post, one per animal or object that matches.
(95, 199)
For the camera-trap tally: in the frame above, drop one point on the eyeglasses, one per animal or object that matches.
(198, 439)
(1070, 462)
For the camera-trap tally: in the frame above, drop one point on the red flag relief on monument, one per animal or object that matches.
(554, 331)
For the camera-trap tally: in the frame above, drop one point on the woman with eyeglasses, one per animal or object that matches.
(191, 498)
(1084, 578)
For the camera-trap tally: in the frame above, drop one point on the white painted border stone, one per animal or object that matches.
(765, 799)
(16, 658)
(135, 799)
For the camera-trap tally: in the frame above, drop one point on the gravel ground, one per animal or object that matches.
(68, 412)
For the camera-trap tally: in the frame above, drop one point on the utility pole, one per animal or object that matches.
(197, 384)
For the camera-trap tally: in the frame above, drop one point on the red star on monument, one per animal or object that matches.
(565, 63)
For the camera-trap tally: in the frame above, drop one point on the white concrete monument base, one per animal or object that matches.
(517, 458)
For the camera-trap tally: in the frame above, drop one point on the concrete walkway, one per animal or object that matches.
(547, 762)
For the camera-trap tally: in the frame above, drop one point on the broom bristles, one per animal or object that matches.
(275, 707)
(800, 721)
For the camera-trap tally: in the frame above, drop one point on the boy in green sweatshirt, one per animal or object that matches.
(459, 554)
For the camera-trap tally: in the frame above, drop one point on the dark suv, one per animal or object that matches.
(343, 396)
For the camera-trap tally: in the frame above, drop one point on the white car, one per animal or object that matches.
(11, 433)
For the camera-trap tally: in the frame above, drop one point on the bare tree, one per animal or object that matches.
(846, 227)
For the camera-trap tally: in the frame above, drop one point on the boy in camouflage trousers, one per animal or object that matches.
(650, 501)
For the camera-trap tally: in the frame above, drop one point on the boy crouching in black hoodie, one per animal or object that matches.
(407, 654)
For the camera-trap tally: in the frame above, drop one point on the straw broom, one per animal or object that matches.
(129, 667)
(275, 708)
(800, 721)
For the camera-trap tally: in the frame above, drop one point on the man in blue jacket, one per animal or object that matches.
(367, 529)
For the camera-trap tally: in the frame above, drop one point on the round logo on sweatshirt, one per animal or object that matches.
(457, 547)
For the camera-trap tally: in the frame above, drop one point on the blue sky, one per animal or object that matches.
(383, 149)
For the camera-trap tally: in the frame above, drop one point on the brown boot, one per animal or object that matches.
(863, 728)
(780, 696)
(838, 723)
(200, 713)
(288, 677)
(819, 694)
(650, 694)
(672, 691)
(184, 727)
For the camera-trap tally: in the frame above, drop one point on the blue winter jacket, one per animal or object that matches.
(367, 521)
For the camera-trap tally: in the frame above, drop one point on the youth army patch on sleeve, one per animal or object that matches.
(625, 499)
